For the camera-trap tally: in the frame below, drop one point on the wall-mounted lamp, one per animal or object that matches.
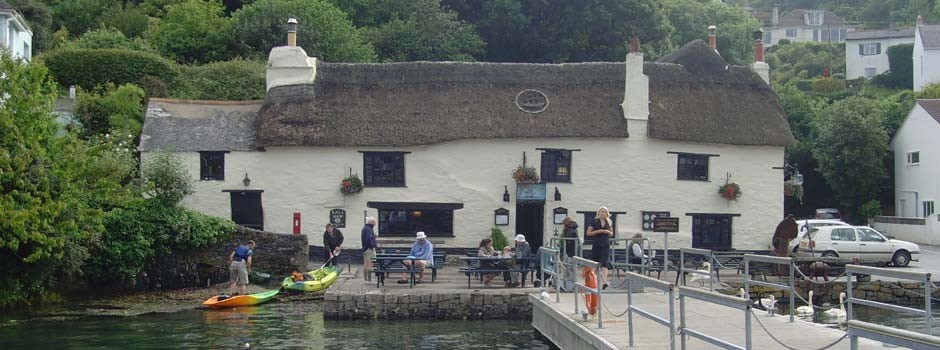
(505, 193)
(246, 181)
(797, 178)
(557, 194)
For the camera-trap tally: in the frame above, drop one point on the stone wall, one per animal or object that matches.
(443, 305)
(902, 293)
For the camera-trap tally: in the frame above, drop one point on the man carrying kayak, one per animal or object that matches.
(240, 265)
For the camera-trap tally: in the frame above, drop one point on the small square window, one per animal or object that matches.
(693, 167)
(556, 165)
(869, 49)
(212, 166)
(913, 158)
(791, 33)
(648, 217)
(383, 169)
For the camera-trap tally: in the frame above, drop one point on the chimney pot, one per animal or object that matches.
(920, 20)
(758, 45)
(711, 37)
(634, 44)
(292, 32)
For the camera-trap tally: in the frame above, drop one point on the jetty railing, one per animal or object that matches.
(559, 244)
(579, 262)
(708, 256)
(715, 298)
(923, 277)
(776, 260)
(884, 334)
(623, 261)
(550, 264)
(667, 288)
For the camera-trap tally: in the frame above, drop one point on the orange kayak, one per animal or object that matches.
(240, 300)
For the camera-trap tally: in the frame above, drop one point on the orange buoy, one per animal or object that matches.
(590, 280)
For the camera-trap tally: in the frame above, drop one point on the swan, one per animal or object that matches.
(769, 304)
(837, 313)
(703, 274)
(806, 310)
(545, 295)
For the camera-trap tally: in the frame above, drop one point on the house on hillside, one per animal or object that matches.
(816, 25)
(866, 50)
(435, 144)
(15, 34)
(926, 55)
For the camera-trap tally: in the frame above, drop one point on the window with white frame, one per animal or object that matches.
(791, 33)
(868, 49)
(928, 208)
(871, 72)
(813, 18)
(913, 158)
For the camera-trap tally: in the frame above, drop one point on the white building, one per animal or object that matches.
(866, 51)
(16, 35)
(917, 160)
(435, 143)
(926, 55)
(799, 25)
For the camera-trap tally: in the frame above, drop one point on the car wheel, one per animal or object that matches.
(830, 254)
(901, 259)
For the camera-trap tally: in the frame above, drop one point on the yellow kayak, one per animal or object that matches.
(315, 280)
(221, 301)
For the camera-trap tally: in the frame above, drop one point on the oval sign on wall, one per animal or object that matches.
(531, 101)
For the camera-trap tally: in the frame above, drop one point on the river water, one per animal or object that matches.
(272, 326)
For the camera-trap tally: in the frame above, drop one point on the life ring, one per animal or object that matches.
(590, 280)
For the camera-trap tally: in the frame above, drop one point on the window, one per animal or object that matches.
(813, 18)
(405, 222)
(26, 53)
(212, 165)
(711, 231)
(815, 34)
(842, 33)
(768, 37)
(791, 33)
(648, 217)
(383, 169)
(869, 49)
(556, 165)
(928, 208)
(870, 72)
(869, 235)
(825, 35)
(913, 158)
(843, 234)
(693, 167)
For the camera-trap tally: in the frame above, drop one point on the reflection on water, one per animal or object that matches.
(880, 316)
(273, 326)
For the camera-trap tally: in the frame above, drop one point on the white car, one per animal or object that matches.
(806, 225)
(857, 242)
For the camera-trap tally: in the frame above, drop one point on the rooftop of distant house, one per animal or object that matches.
(880, 34)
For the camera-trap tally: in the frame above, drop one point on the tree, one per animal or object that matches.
(111, 109)
(79, 16)
(195, 31)
(851, 145)
(129, 19)
(804, 60)
(691, 19)
(168, 180)
(901, 68)
(106, 38)
(323, 30)
(39, 17)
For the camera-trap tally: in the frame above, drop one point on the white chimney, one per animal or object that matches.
(290, 65)
(759, 66)
(636, 94)
(775, 16)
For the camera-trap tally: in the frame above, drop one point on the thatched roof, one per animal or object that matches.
(693, 97)
(180, 125)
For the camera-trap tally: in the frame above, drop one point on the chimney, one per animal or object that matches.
(292, 32)
(636, 94)
(711, 37)
(290, 65)
(774, 16)
(759, 66)
(634, 44)
(920, 20)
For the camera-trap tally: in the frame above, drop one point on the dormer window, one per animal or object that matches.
(813, 18)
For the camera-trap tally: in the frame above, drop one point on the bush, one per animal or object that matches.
(869, 210)
(828, 85)
(929, 91)
(109, 109)
(168, 180)
(230, 80)
(129, 19)
(106, 38)
(194, 31)
(499, 239)
(92, 68)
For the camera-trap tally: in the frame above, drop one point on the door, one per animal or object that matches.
(711, 232)
(872, 246)
(843, 240)
(530, 220)
(247, 210)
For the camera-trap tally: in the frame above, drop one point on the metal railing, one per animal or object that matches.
(646, 261)
(550, 264)
(776, 260)
(578, 262)
(923, 277)
(715, 298)
(884, 334)
(558, 243)
(700, 252)
(666, 288)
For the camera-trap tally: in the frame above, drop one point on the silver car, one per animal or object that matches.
(858, 242)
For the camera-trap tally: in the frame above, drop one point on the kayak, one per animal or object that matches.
(223, 301)
(315, 280)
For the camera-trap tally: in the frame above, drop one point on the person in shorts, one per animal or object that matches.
(239, 265)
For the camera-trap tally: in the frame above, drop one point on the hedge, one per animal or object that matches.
(90, 68)
(233, 80)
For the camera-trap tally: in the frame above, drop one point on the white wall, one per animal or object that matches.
(918, 133)
(929, 233)
(21, 36)
(802, 34)
(856, 64)
(630, 175)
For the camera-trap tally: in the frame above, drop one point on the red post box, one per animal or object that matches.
(296, 223)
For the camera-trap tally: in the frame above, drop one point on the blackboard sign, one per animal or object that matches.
(338, 218)
(666, 224)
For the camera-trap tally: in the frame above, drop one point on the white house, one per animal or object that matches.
(435, 144)
(817, 25)
(917, 160)
(866, 50)
(926, 55)
(16, 36)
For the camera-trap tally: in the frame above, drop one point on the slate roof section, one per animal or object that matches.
(880, 34)
(189, 126)
(795, 19)
(932, 107)
(930, 36)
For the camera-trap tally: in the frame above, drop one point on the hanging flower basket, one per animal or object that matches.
(351, 185)
(791, 190)
(525, 175)
(730, 191)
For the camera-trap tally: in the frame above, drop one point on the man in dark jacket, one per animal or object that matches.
(332, 240)
(368, 247)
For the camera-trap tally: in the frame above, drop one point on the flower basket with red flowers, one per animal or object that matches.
(351, 185)
(525, 175)
(730, 190)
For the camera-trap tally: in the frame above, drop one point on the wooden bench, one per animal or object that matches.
(384, 265)
(440, 259)
(474, 267)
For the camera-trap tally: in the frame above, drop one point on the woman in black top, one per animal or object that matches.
(601, 230)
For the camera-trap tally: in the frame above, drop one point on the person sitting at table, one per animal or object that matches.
(486, 250)
(423, 254)
(523, 252)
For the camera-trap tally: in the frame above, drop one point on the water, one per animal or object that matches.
(278, 326)
(879, 316)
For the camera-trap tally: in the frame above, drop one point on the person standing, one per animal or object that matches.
(601, 230)
(332, 241)
(239, 265)
(570, 233)
(368, 247)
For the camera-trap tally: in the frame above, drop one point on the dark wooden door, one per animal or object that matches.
(530, 221)
(711, 232)
(247, 210)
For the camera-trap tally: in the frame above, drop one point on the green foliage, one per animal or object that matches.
(106, 38)
(869, 210)
(167, 179)
(323, 30)
(499, 239)
(79, 16)
(230, 80)
(195, 31)
(828, 85)
(929, 91)
(691, 18)
(901, 63)
(111, 109)
(805, 60)
(129, 19)
(39, 17)
(92, 68)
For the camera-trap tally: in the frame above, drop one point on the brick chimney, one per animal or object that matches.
(636, 94)
(292, 32)
(712, 41)
(759, 66)
(290, 65)
(634, 44)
